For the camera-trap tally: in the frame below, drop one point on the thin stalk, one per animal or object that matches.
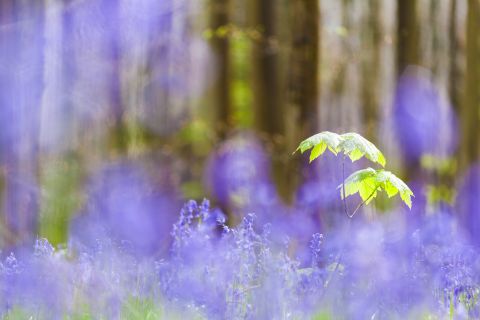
(342, 250)
(350, 216)
(345, 208)
(363, 202)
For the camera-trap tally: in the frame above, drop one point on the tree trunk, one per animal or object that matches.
(69, 73)
(470, 122)
(408, 38)
(21, 84)
(408, 53)
(269, 118)
(111, 10)
(454, 69)
(220, 43)
(301, 113)
(269, 115)
(371, 68)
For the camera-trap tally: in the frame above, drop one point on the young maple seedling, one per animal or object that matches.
(366, 182)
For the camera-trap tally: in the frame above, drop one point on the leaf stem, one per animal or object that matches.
(345, 208)
(363, 202)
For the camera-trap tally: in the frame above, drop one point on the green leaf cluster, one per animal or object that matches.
(355, 147)
(351, 144)
(367, 182)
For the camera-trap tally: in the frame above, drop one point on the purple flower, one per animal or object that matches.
(424, 123)
(316, 247)
(468, 203)
(125, 204)
(238, 172)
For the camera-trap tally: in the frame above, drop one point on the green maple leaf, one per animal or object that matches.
(361, 181)
(368, 182)
(355, 147)
(351, 144)
(319, 143)
(393, 185)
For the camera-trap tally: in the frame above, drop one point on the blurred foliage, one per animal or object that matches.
(199, 135)
(141, 309)
(443, 190)
(439, 164)
(441, 194)
(17, 314)
(61, 195)
(242, 97)
(322, 315)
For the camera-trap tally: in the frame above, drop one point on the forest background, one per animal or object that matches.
(91, 87)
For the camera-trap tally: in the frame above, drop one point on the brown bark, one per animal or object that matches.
(119, 133)
(220, 18)
(268, 117)
(371, 70)
(21, 84)
(301, 114)
(454, 52)
(470, 121)
(408, 51)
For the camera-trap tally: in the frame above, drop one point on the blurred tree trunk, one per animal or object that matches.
(60, 173)
(69, 71)
(371, 69)
(219, 22)
(470, 121)
(454, 53)
(240, 72)
(269, 115)
(301, 113)
(269, 118)
(9, 45)
(21, 87)
(436, 38)
(339, 81)
(408, 50)
(157, 99)
(111, 11)
(408, 53)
